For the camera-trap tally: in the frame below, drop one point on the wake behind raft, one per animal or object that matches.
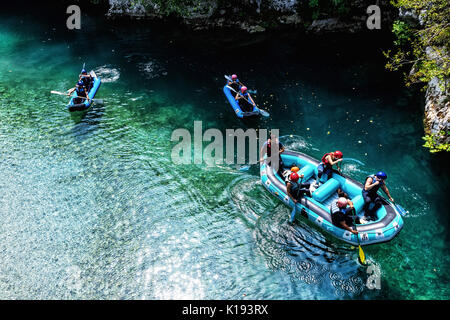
(317, 207)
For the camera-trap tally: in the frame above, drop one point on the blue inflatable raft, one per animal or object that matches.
(317, 207)
(85, 104)
(237, 109)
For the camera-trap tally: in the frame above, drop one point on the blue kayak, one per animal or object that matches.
(237, 109)
(85, 104)
(317, 207)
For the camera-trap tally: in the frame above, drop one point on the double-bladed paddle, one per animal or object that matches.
(100, 101)
(249, 90)
(262, 112)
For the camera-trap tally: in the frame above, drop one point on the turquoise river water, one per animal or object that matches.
(92, 207)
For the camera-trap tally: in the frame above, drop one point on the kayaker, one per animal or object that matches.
(341, 214)
(295, 189)
(244, 100)
(370, 195)
(81, 92)
(234, 83)
(267, 149)
(327, 163)
(87, 79)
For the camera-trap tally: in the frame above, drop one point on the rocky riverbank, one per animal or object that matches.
(257, 15)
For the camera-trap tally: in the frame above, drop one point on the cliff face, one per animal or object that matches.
(437, 107)
(437, 102)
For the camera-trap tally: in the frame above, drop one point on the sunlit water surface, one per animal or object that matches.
(92, 206)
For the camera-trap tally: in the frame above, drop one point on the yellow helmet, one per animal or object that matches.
(295, 169)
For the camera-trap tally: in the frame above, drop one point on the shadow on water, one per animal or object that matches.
(87, 122)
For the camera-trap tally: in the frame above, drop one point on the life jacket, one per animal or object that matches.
(375, 189)
(235, 85)
(81, 91)
(335, 209)
(87, 81)
(294, 185)
(325, 160)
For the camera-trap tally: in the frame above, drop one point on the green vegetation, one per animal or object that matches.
(169, 7)
(315, 9)
(433, 145)
(423, 47)
(422, 50)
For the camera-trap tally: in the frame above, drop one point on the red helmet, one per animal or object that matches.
(294, 176)
(338, 154)
(342, 202)
(234, 77)
(243, 89)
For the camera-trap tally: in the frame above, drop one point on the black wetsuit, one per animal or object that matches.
(88, 82)
(269, 154)
(81, 92)
(235, 85)
(338, 215)
(371, 196)
(298, 189)
(245, 104)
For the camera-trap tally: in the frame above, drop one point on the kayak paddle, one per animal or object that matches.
(262, 112)
(400, 209)
(100, 101)
(249, 91)
(361, 255)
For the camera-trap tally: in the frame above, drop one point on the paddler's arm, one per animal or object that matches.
(250, 97)
(385, 189)
(70, 91)
(369, 185)
(330, 160)
(346, 227)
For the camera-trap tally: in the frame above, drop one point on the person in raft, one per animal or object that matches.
(244, 100)
(81, 92)
(370, 195)
(341, 214)
(267, 149)
(327, 163)
(234, 83)
(295, 189)
(87, 79)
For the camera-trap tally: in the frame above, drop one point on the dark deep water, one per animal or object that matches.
(92, 206)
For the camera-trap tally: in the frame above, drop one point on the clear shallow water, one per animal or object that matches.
(92, 206)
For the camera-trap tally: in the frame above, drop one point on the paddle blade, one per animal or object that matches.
(264, 113)
(227, 77)
(60, 93)
(361, 256)
(99, 101)
(400, 209)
